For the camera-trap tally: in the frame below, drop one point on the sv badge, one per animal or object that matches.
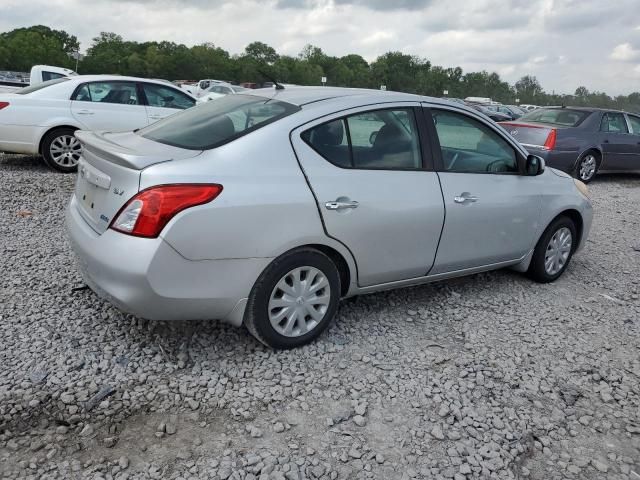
(118, 191)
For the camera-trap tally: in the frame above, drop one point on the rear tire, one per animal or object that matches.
(294, 299)
(587, 166)
(61, 150)
(554, 250)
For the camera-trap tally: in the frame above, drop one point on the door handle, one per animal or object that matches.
(155, 117)
(465, 197)
(85, 112)
(340, 205)
(605, 141)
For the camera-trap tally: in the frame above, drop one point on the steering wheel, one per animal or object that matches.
(496, 166)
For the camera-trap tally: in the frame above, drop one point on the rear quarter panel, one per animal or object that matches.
(265, 209)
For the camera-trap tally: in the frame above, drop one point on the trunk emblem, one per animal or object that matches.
(514, 132)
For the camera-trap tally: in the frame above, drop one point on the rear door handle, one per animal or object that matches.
(85, 112)
(340, 205)
(465, 197)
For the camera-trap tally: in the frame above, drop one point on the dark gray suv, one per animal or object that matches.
(580, 141)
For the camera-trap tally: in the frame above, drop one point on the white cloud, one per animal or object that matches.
(625, 53)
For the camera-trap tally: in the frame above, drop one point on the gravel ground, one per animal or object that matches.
(490, 376)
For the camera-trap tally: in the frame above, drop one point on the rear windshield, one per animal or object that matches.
(556, 116)
(40, 86)
(217, 122)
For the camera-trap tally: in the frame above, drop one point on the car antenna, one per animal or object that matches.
(275, 82)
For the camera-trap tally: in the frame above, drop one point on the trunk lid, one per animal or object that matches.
(109, 171)
(529, 134)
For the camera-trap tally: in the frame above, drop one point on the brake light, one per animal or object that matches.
(550, 142)
(3, 105)
(147, 213)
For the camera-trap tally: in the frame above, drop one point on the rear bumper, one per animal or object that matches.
(148, 278)
(20, 139)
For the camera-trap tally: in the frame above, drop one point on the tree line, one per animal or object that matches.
(110, 53)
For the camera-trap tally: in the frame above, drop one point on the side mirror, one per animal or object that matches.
(535, 165)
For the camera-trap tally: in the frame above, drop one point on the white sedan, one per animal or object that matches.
(219, 90)
(42, 119)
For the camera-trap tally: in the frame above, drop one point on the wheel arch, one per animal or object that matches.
(597, 149)
(51, 129)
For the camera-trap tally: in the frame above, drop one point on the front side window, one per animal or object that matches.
(380, 139)
(613, 123)
(166, 97)
(635, 124)
(124, 93)
(215, 123)
(468, 146)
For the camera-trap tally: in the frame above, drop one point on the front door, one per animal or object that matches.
(109, 105)
(492, 210)
(375, 190)
(618, 144)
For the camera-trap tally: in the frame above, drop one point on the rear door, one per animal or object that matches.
(108, 105)
(618, 144)
(634, 124)
(162, 101)
(370, 171)
(492, 210)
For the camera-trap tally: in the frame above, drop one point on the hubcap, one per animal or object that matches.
(587, 167)
(558, 251)
(299, 301)
(65, 150)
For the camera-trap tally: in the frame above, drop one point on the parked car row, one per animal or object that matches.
(190, 217)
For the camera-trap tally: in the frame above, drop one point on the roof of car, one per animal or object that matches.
(90, 78)
(300, 96)
(584, 109)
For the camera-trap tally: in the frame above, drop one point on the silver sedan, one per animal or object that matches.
(266, 209)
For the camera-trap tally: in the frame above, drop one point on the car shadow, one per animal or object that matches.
(22, 163)
(624, 178)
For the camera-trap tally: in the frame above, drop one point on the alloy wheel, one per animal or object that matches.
(558, 251)
(299, 301)
(65, 150)
(587, 167)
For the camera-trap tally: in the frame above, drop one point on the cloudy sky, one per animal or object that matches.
(565, 43)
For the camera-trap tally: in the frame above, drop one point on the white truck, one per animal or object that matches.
(39, 74)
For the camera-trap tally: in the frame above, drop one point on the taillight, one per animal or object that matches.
(147, 213)
(550, 142)
(3, 105)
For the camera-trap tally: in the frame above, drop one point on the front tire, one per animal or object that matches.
(554, 250)
(294, 299)
(61, 150)
(587, 167)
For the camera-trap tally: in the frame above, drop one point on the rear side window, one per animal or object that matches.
(124, 93)
(556, 116)
(215, 123)
(166, 97)
(40, 86)
(613, 123)
(468, 146)
(380, 139)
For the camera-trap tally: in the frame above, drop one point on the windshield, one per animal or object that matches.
(556, 116)
(40, 86)
(215, 123)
